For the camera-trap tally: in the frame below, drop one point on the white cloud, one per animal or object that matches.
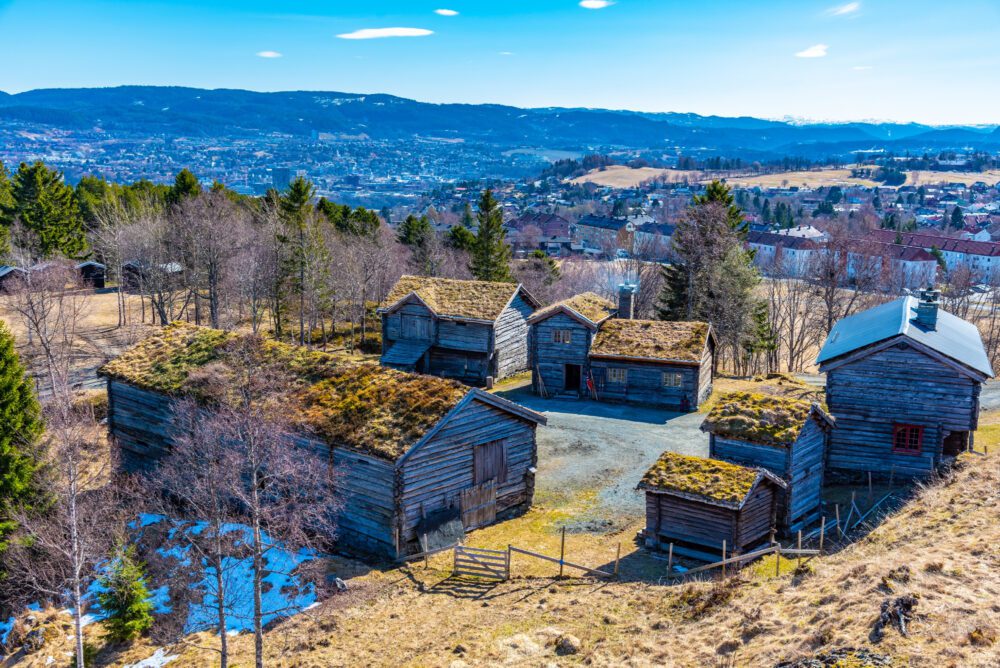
(814, 51)
(844, 10)
(506, 53)
(378, 33)
(446, 12)
(862, 68)
(595, 4)
(268, 54)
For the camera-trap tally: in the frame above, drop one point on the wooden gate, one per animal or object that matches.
(480, 563)
(479, 505)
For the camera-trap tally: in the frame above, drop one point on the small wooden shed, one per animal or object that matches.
(466, 330)
(697, 503)
(786, 436)
(559, 343)
(92, 274)
(409, 447)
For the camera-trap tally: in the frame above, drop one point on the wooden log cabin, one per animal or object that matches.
(903, 382)
(466, 330)
(786, 436)
(697, 503)
(559, 340)
(578, 348)
(408, 446)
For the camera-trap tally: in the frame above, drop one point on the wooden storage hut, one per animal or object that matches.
(466, 330)
(786, 436)
(559, 341)
(9, 276)
(92, 274)
(903, 382)
(668, 364)
(409, 447)
(697, 503)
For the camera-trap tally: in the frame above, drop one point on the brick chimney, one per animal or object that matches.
(626, 301)
(927, 308)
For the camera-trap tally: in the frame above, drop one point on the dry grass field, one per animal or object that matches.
(820, 178)
(620, 176)
(916, 178)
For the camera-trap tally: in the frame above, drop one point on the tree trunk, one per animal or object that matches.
(221, 605)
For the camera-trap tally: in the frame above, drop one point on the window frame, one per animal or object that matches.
(673, 374)
(612, 373)
(900, 428)
(564, 336)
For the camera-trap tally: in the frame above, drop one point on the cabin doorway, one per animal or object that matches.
(479, 505)
(955, 443)
(572, 376)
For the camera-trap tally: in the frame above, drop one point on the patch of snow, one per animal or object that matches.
(160, 658)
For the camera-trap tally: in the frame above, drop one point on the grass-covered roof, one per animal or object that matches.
(712, 479)
(592, 307)
(758, 418)
(651, 339)
(477, 300)
(343, 402)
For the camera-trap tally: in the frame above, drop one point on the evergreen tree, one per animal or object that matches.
(761, 339)
(185, 185)
(295, 205)
(719, 192)
(93, 192)
(20, 427)
(414, 231)
(6, 209)
(672, 301)
(124, 597)
(548, 265)
(490, 254)
(957, 218)
(47, 208)
(467, 219)
(461, 238)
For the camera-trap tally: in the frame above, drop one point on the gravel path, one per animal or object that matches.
(606, 447)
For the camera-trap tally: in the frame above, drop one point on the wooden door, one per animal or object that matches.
(415, 328)
(479, 505)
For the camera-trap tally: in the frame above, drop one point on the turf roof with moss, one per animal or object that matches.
(343, 402)
(758, 418)
(476, 300)
(651, 339)
(712, 479)
(592, 307)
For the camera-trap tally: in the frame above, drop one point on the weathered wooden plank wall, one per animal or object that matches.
(511, 338)
(549, 357)
(644, 383)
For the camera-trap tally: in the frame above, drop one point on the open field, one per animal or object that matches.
(620, 176)
(916, 178)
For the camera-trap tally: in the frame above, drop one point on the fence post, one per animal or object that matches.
(562, 551)
(670, 559)
(798, 563)
(836, 510)
(822, 532)
(618, 558)
(508, 561)
(870, 493)
(777, 561)
(723, 560)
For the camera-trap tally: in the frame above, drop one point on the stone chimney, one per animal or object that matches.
(626, 301)
(927, 308)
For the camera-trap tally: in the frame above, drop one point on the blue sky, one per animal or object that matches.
(931, 61)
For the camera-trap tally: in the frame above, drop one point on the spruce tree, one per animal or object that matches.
(414, 231)
(185, 185)
(6, 209)
(461, 238)
(490, 254)
(957, 218)
(47, 208)
(20, 427)
(124, 597)
(719, 192)
(467, 219)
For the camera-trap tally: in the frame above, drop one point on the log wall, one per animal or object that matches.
(644, 383)
(549, 359)
(898, 385)
(511, 338)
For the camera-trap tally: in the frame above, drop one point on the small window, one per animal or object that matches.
(562, 336)
(672, 379)
(489, 462)
(907, 439)
(617, 375)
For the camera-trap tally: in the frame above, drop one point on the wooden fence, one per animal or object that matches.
(475, 561)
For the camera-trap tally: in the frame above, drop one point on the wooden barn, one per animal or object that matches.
(410, 448)
(697, 503)
(466, 330)
(577, 347)
(903, 382)
(788, 437)
(559, 340)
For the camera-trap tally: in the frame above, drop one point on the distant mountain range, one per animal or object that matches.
(175, 111)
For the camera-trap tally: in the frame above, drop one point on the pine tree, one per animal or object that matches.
(20, 427)
(671, 303)
(185, 185)
(124, 597)
(461, 238)
(719, 192)
(47, 208)
(957, 219)
(414, 231)
(490, 254)
(6, 209)
(295, 206)
(467, 219)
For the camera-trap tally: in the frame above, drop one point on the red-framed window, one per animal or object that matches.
(907, 439)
